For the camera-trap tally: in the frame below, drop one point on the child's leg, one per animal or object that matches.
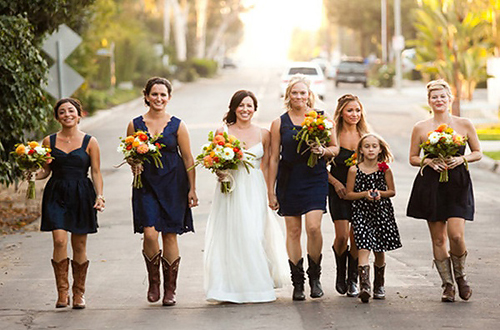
(379, 259)
(364, 256)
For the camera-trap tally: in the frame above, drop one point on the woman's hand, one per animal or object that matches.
(318, 150)
(100, 203)
(453, 162)
(438, 165)
(135, 166)
(340, 190)
(222, 176)
(273, 202)
(192, 198)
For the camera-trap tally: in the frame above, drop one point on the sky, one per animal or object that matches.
(269, 26)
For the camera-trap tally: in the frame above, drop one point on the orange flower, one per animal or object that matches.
(312, 114)
(143, 137)
(229, 145)
(218, 139)
(208, 161)
(232, 138)
(129, 139)
(21, 149)
(33, 144)
(142, 149)
(441, 128)
(135, 144)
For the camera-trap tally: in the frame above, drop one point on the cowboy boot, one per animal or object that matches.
(444, 270)
(352, 276)
(170, 272)
(364, 283)
(464, 290)
(298, 279)
(314, 273)
(153, 267)
(341, 261)
(378, 282)
(61, 269)
(79, 276)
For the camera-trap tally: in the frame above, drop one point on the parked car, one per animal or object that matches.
(352, 71)
(228, 63)
(327, 68)
(312, 71)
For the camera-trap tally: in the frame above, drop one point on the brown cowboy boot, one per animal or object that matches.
(378, 282)
(170, 272)
(444, 270)
(364, 283)
(79, 276)
(464, 290)
(153, 267)
(61, 269)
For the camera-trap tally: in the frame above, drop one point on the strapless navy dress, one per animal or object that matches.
(162, 202)
(69, 196)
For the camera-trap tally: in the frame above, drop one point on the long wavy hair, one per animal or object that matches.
(361, 126)
(385, 154)
(230, 117)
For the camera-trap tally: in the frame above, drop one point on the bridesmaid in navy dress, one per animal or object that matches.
(163, 204)
(71, 199)
(350, 125)
(300, 189)
(445, 205)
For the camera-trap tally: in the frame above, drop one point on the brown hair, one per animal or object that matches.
(77, 104)
(156, 81)
(230, 117)
(361, 126)
(385, 154)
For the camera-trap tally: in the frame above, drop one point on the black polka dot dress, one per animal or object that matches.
(375, 227)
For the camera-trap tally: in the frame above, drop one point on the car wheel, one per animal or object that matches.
(365, 85)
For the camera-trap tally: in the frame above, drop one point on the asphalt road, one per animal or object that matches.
(117, 283)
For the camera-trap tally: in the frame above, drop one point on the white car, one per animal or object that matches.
(312, 71)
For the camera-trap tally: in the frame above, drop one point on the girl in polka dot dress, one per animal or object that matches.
(370, 184)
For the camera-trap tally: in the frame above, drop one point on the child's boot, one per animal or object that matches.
(364, 283)
(378, 282)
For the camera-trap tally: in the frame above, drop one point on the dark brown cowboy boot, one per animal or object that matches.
(298, 279)
(364, 283)
(378, 282)
(153, 267)
(341, 262)
(314, 273)
(170, 272)
(61, 269)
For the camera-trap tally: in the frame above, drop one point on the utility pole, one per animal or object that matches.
(383, 32)
(398, 43)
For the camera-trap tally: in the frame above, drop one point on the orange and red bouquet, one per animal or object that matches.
(315, 131)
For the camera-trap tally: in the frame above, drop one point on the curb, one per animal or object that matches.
(489, 164)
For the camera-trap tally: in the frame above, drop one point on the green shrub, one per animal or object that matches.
(204, 67)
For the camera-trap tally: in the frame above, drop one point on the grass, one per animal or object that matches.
(489, 132)
(492, 154)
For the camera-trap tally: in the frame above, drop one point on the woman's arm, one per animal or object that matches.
(274, 158)
(45, 170)
(391, 188)
(187, 158)
(95, 172)
(266, 143)
(415, 146)
(474, 145)
(337, 185)
(351, 195)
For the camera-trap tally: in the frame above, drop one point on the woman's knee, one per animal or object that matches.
(456, 238)
(60, 243)
(439, 240)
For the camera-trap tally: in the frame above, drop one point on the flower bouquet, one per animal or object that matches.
(223, 153)
(138, 148)
(351, 161)
(30, 158)
(443, 143)
(315, 132)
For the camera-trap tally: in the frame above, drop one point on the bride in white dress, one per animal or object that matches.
(245, 254)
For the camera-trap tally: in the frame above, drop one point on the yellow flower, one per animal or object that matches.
(21, 149)
(449, 130)
(319, 121)
(232, 138)
(229, 145)
(308, 120)
(135, 144)
(212, 154)
(33, 144)
(312, 114)
(129, 139)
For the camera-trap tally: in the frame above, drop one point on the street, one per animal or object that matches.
(117, 279)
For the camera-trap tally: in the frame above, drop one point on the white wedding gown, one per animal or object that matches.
(245, 254)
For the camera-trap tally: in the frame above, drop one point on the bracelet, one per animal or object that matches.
(466, 163)
(101, 197)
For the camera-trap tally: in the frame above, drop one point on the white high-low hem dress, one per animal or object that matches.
(245, 254)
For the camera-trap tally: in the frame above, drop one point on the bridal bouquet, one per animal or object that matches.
(138, 148)
(443, 143)
(221, 154)
(351, 161)
(30, 158)
(315, 132)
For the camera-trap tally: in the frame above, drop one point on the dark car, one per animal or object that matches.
(352, 71)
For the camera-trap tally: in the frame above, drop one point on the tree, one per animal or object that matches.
(24, 108)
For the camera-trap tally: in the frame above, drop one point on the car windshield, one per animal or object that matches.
(351, 65)
(303, 70)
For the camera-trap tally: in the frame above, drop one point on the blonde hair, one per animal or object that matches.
(361, 126)
(436, 85)
(295, 79)
(385, 154)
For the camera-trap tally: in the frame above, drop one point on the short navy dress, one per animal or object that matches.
(162, 202)
(299, 188)
(340, 209)
(437, 201)
(69, 195)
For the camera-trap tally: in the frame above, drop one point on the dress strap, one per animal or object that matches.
(139, 124)
(85, 142)
(226, 129)
(52, 139)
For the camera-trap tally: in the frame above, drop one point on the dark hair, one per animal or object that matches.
(74, 102)
(156, 81)
(230, 117)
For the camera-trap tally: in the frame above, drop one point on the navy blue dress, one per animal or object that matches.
(437, 201)
(299, 188)
(69, 195)
(162, 202)
(340, 209)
